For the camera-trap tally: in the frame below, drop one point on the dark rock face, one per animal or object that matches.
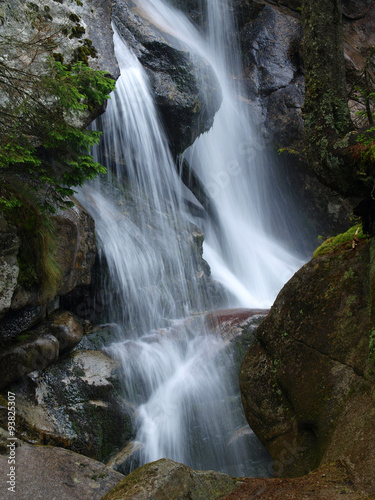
(39, 347)
(271, 42)
(77, 247)
(180, 82)
(307, 381)
(9, 245)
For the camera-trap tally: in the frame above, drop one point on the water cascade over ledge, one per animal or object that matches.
(177, 375)
(243, 243)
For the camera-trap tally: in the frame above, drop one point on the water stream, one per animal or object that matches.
(178, 375)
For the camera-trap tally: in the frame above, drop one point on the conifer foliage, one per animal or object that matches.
(42, 105)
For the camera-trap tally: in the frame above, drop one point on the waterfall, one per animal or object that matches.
(178, 376)
(242, 245)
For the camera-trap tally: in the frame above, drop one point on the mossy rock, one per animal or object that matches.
(343, 241)
(311, 365)
(165, 479)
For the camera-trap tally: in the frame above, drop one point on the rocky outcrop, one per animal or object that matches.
(74, 404)
(307, 381)
(185, 87)
(71, 31)
(40, 347)
(75, 249)
(271, 43)
(49, 472)
(165, 479)
(9, 269)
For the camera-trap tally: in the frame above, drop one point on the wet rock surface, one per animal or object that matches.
(307, 381)
(184, 85)
(74, 404)
(77, 247)
(35, 353)
(271, 42)
(38, 348)
(237, 327)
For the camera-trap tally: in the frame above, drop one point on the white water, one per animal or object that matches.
(142, 236)
(178, 376)
(244, 255)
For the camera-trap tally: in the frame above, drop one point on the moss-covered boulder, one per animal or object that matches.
(165, 479)
(307, 381)
(25, 296)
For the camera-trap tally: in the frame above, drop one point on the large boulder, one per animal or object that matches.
(165, 479)
(48, 472)
(307, 381)
(77, 247)
(74, 403)
(76, 252)
(185, 86)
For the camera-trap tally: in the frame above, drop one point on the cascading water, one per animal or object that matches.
(175, 373)
(241, 245)
(179, 376)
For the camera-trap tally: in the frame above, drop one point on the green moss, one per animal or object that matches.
(75, 427)
(25, 337)
(85, 51)
(74, 18)
(340, 242)
(371, 346)
(77, 32)
(37, 259)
